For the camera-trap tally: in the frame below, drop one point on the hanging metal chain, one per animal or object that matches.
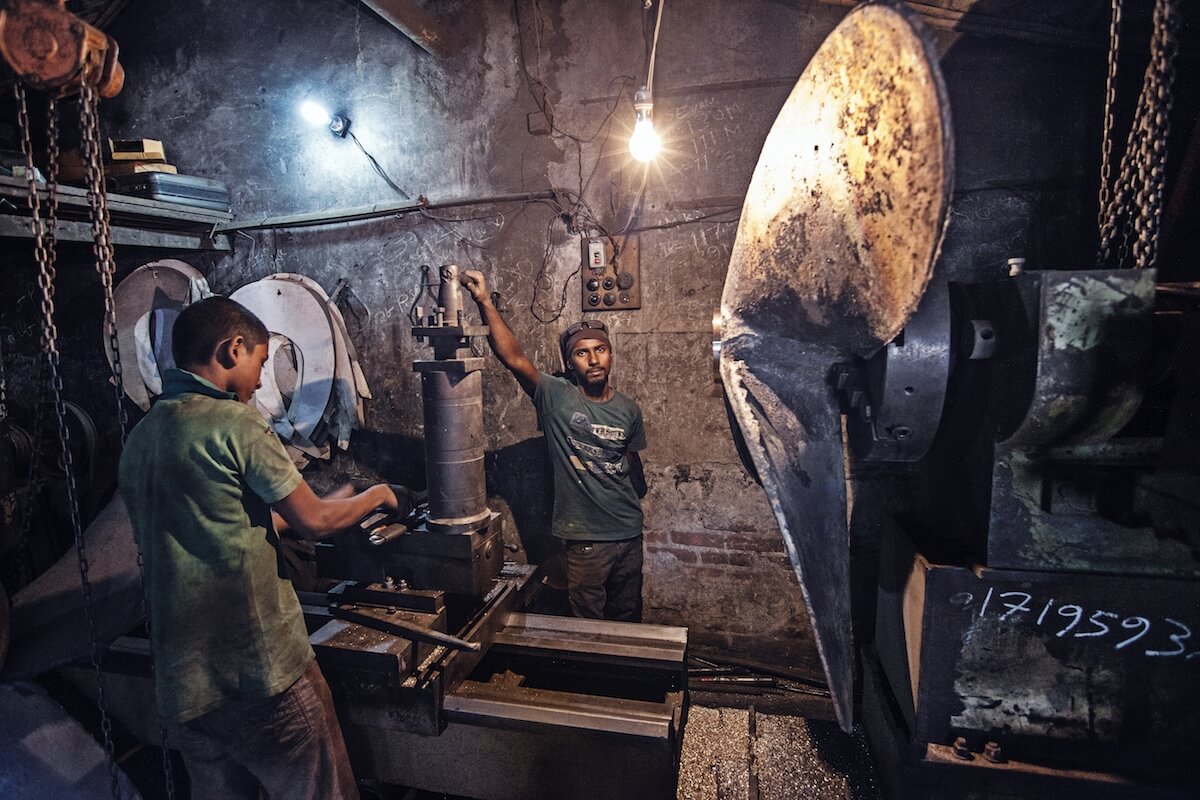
(1163, 50)
(1134, 208)
(89, 121)
(33, 478)
(50, 348)
(1107, 222)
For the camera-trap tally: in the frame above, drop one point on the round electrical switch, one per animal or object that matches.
(625, 280)
(593, 285)
(609, 283)
(594, 300)
(609, 298)
(624, 298)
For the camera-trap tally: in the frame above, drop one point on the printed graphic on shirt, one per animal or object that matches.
(594, 459)
(610, 433)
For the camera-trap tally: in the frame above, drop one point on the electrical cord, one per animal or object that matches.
(379, 170)
(654, 47)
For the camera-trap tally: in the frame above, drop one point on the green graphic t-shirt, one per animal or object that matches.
(588, 442)
(198, 474)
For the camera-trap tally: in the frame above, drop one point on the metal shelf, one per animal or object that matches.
(135, 221)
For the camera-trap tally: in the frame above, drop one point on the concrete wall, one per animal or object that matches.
(219, 82)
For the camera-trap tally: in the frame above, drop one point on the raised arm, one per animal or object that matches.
(503, 341)
(313, 517)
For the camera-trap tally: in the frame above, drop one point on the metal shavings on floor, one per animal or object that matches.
(737, 754)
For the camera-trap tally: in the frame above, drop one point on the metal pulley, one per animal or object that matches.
(835, 247)
(53, 50)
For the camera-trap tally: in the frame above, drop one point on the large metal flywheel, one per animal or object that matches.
(836, 245)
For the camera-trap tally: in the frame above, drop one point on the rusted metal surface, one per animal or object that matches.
(1088, 670)
(1092, 331)
(1082, 508)
(836, 243)
(847, 205)
(415, 23)
(51, 49)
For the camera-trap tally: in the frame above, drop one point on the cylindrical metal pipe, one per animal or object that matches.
(453, 406)
(450, 295)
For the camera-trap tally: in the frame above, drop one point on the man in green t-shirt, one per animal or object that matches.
(593, 435)
(235, 675)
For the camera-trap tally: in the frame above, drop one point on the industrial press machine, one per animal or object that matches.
(442, 680)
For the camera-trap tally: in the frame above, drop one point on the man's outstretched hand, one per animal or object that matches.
(476, 284)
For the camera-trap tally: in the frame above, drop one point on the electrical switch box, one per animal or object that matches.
(596, 257)
(611, 278)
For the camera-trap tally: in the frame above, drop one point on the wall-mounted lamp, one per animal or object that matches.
(644, 143)
(315, 114)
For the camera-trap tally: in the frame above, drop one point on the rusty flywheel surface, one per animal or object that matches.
(837, 242)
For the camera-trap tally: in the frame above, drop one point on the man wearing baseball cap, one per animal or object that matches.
(593, 435)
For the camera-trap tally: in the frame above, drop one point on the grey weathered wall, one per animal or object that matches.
(219, 82)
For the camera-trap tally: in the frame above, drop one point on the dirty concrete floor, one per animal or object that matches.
(745, 754)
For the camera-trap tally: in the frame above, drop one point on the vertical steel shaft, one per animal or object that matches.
(453, 405)
(452, 397)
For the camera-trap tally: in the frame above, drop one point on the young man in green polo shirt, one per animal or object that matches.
(235, 675)
(593, 435)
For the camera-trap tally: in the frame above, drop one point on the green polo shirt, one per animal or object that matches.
(588, 445)
(199, 474)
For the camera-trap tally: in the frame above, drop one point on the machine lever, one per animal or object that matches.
(406, 630)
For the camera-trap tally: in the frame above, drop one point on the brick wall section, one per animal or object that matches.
(732, 585)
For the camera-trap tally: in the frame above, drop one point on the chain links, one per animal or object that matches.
(102, 247)
(89, 121)
(33, 479)
(1163, 51)
(1107, 221)
(50, 348)
(1132, 210)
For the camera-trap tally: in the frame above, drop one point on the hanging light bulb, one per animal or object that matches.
(317, 115)
(313, 113)
(644, 143)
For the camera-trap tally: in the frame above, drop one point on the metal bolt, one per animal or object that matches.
(960, 749)
(993, 753)
(900, 433)
(1015, 267)
(389, 582)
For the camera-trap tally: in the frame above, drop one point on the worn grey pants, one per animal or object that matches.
(289, 744)
(604, 579)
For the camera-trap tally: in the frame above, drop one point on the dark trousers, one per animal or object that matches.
(604, 579)
(289, 744)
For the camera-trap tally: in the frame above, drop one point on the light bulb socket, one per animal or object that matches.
(643, 103)
(340, 125)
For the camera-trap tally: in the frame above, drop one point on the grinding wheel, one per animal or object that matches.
(836, 244)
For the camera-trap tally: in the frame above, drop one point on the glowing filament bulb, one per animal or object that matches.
(644, 144)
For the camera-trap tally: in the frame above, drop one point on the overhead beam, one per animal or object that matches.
(411, 20)
(993, 24)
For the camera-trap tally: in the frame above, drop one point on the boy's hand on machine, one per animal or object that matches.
(476, 284)
(391, 502)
